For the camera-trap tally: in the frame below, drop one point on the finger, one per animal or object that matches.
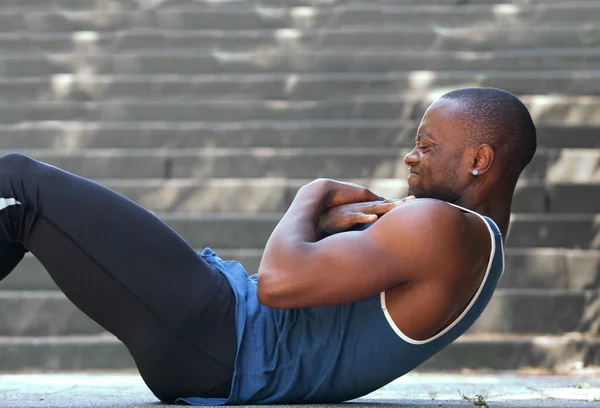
(382, 207)
(377, 207)
(403, 200)
(373, 207)
(398, 201)
(362, 218)
(346, 193)
(407, 198)
(370, 217)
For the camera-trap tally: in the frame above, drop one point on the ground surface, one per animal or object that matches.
(415, 390)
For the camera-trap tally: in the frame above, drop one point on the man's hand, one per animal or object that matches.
(336, 193)
(296, 234)
(422, 241)
(345, 216)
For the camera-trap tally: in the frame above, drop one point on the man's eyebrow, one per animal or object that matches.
(419, 137)
(424, 137)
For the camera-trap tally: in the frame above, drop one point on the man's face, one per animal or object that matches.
(436, 161)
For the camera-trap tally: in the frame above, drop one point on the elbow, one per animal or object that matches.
(271, 292)
(267, 298)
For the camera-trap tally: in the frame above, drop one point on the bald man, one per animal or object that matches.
(353, 290)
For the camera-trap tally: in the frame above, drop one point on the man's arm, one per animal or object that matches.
(415, 241)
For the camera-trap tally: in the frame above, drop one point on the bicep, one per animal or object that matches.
(410, 243)
(350, 267)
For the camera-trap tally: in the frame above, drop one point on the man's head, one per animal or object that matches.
(469, 136)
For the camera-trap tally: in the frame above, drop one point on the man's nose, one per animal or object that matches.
(411, 158)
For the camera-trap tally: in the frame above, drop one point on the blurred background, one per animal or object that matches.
(213, 113)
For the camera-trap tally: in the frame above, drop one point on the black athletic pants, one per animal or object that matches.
(128, 271)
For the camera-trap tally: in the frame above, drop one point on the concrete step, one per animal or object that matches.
(294, 87)
(42, 314)
(221, 195)
(233, 231)
(251, 231)
(494, 352)
(83, 5)
(441, 36)
(182, 62)
(250, 134)
(526, 268)
(246, 18)
(570, 110)
(540, 311)
(97, 352)
(551, 165)
(578, 231)
(523, 311)
(268, 195)
(551, 268)
(100, 352)
(512, 352)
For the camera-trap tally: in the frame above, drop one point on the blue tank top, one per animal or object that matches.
(333, 353)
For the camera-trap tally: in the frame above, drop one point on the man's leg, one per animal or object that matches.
(128, 271)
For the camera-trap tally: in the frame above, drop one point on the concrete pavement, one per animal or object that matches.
(507, 390)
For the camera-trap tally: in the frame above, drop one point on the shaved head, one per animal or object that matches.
(500, 119)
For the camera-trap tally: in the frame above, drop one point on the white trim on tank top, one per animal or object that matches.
(459, 318)
(7, 202)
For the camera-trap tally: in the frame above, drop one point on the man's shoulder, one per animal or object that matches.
(425, 213)
(434, 229)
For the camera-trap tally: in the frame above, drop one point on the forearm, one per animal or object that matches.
(298, 226)
(294, 267)
(287, 245)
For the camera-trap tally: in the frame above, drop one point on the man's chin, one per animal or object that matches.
(416, 193)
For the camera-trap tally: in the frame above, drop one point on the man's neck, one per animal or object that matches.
(495, 206)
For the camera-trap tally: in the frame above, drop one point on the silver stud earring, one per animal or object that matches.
(475, 172)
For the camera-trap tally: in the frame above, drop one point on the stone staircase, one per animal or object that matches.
(213, 113)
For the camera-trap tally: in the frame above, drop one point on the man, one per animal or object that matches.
(335, 311)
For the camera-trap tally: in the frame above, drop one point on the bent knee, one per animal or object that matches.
(16, 162)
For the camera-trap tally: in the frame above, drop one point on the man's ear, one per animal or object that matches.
(484, 157)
